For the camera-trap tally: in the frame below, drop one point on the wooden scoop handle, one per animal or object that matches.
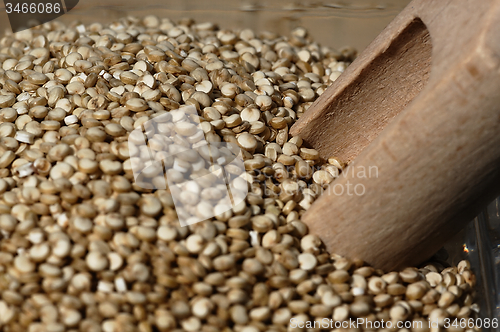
(420, 108)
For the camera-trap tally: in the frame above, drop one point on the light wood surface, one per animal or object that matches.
(421, 105)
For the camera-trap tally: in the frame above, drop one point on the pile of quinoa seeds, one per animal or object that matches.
(84, 248)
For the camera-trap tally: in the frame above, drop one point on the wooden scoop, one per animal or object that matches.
(419, 112)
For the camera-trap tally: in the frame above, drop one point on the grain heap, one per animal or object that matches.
(84, 248)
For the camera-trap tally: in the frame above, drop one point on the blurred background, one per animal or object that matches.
(334, 23)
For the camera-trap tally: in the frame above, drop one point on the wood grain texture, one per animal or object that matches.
(437, 154)
(367, 99)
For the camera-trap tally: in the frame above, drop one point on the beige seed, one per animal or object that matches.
(438, 315)
(75, 88)
(83, 225)
(383, 300)
(7, 314)
(455, 290)
(7, 101)
(415, 291)
(185, 128)
(290, 149)
(202, 308)
(23, 264)
(260, 314)
(95, 134)
(396, 289)
(358, 285)
(110, 167)
(195, 243)
(250, 114)
(467, 277)
(37, 78)
(71, 119)
(6, 159)
(391, 277)
(271, 239)
(96, 261)
(24, 137)
(61, 248)
(191, 324)
(87, 166)
(70, 317)
(463, 266)
(331, 299)
(309, 154)
(59, 152)
(446, 299)
(376, 285)
(310, 243)
(307, 261)
(449, 278)
(224, 262)
(204, 86)
(247, 142)
(253, 266)
(229, 90)
(279, 123)
(72, 58)
(115, 261)
(322, 178)
(166, 233)
(151, 206)
(264, 103)
(61, 170)
(360, 309)
(409, 275)
(433, 278)
(39, 252)
(398, 313)
(136, 104)
(239, 314)
(233, 120)
(262, 223)
(129, 77)
(303, 169)
(8, 114)
(341, 313)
